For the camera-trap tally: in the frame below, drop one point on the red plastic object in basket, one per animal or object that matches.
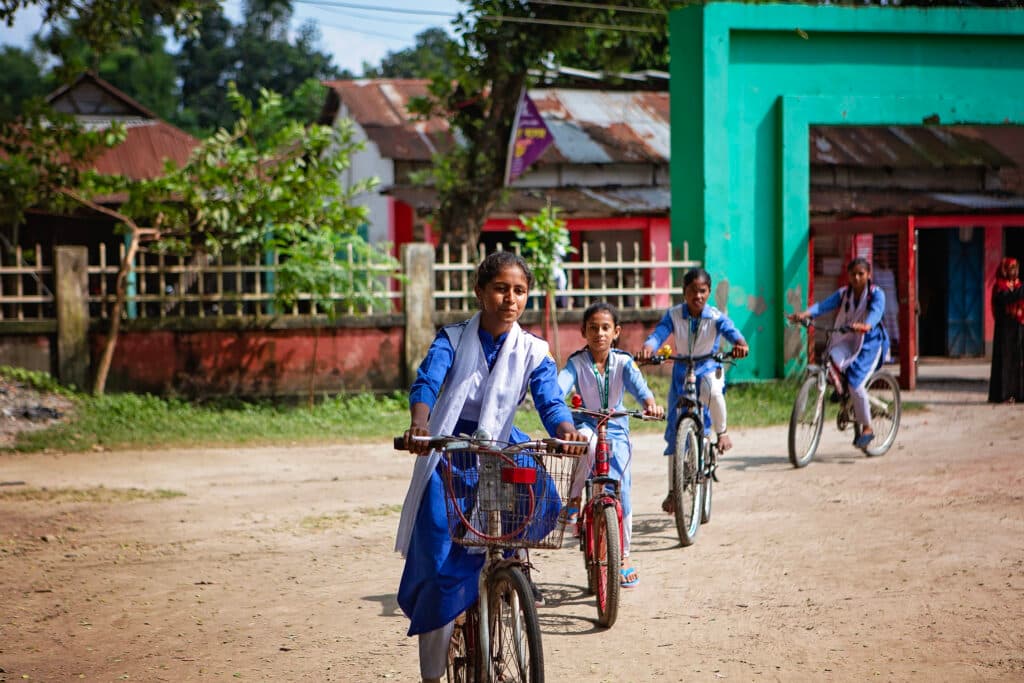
(519, 475)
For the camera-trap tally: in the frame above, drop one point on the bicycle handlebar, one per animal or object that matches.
(809, 322)
(608, 413)
(468, 443)
(719, 356)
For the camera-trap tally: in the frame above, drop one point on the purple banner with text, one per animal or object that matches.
(530, 137)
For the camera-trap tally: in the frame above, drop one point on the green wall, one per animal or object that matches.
(747, 81)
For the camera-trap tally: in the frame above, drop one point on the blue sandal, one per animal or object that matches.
(863, 440)
(629, 577)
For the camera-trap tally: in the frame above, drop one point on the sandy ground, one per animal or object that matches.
(276, 564)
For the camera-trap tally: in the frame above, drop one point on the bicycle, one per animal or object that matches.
(695, 459)
(600, 518)
(808, 416)
(501, 497)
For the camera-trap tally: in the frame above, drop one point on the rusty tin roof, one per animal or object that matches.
(588, 126)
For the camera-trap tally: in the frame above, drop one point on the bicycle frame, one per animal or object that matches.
(494, 474)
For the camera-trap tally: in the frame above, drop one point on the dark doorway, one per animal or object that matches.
(932, 289)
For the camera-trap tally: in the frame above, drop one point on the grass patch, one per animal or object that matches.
(95, 494)
(125, 421)
(342, 519)
(122, 421)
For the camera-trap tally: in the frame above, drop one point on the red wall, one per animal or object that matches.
(255, 362)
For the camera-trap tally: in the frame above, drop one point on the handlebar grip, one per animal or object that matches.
(400, 443)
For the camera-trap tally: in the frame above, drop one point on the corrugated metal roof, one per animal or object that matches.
(902, 147)
(142, 154)
(572, 202)
(149, 140)
(588, 126)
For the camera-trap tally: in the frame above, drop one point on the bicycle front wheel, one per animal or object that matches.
(884, 399)
(462, 652)
(686, 487)
(515, 648)
(604, 569)
(805, 422)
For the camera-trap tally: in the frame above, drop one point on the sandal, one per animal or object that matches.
(629, 577)
(569, 515)
(669, 504)
(863, 440)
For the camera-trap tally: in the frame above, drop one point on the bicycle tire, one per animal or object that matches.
(708, 486)
(515, 649)
(462, 653)
(606, 565)
(886, 409)
(686, 487)
(805, 422)
(587, 546)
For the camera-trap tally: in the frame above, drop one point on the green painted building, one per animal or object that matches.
(747, 82)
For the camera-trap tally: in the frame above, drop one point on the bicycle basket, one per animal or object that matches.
(508, 501)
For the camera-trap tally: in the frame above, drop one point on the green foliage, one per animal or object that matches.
(430, 56)
(545, 238)
(21, 79)
(41, 156)
(256, 55)
(492, 62)
(105, 24)
(41, 381)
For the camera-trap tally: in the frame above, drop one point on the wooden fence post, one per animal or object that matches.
(71, 293)
(418, 266)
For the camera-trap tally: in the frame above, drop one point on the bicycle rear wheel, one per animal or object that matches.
(884, 398)
(515, 647)
(686, 488)
(604, 570)
(805, 422)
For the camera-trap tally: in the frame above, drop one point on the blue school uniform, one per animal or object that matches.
(875, 344)
(621, 375)
(439, 580)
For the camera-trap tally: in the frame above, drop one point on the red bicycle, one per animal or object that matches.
(600, 521)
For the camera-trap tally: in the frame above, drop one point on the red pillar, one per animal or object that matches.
(906, 284)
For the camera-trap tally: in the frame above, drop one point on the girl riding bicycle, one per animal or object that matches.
(601, 376)
(698, 329)
(473, 377)
(858, 352)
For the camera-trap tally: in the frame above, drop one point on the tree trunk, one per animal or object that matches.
(120, 297)
(551, 321)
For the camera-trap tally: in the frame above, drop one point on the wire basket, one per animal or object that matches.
(507, 500)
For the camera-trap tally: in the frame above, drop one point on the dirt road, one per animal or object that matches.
(276, 564)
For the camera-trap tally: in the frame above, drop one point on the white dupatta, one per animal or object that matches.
(497, 391)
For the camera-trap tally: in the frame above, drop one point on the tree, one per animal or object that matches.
(500, 42)
(546, 241)
(105, 24)
(21, 79)
(269, 182)
(429, 57)
(255, 54)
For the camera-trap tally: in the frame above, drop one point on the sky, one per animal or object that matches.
(352, 32)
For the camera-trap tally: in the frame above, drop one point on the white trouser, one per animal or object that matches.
(712, 394)
(434, 651)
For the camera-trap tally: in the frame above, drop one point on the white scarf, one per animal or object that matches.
(846, 345)
(497, 392)
(591, 388)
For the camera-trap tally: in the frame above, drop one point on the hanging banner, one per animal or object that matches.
(530, 137)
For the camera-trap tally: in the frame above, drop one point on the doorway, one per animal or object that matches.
(950, 297)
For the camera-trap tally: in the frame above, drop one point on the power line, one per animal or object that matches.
(591, 5)
(375, 8)
(571, 24)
